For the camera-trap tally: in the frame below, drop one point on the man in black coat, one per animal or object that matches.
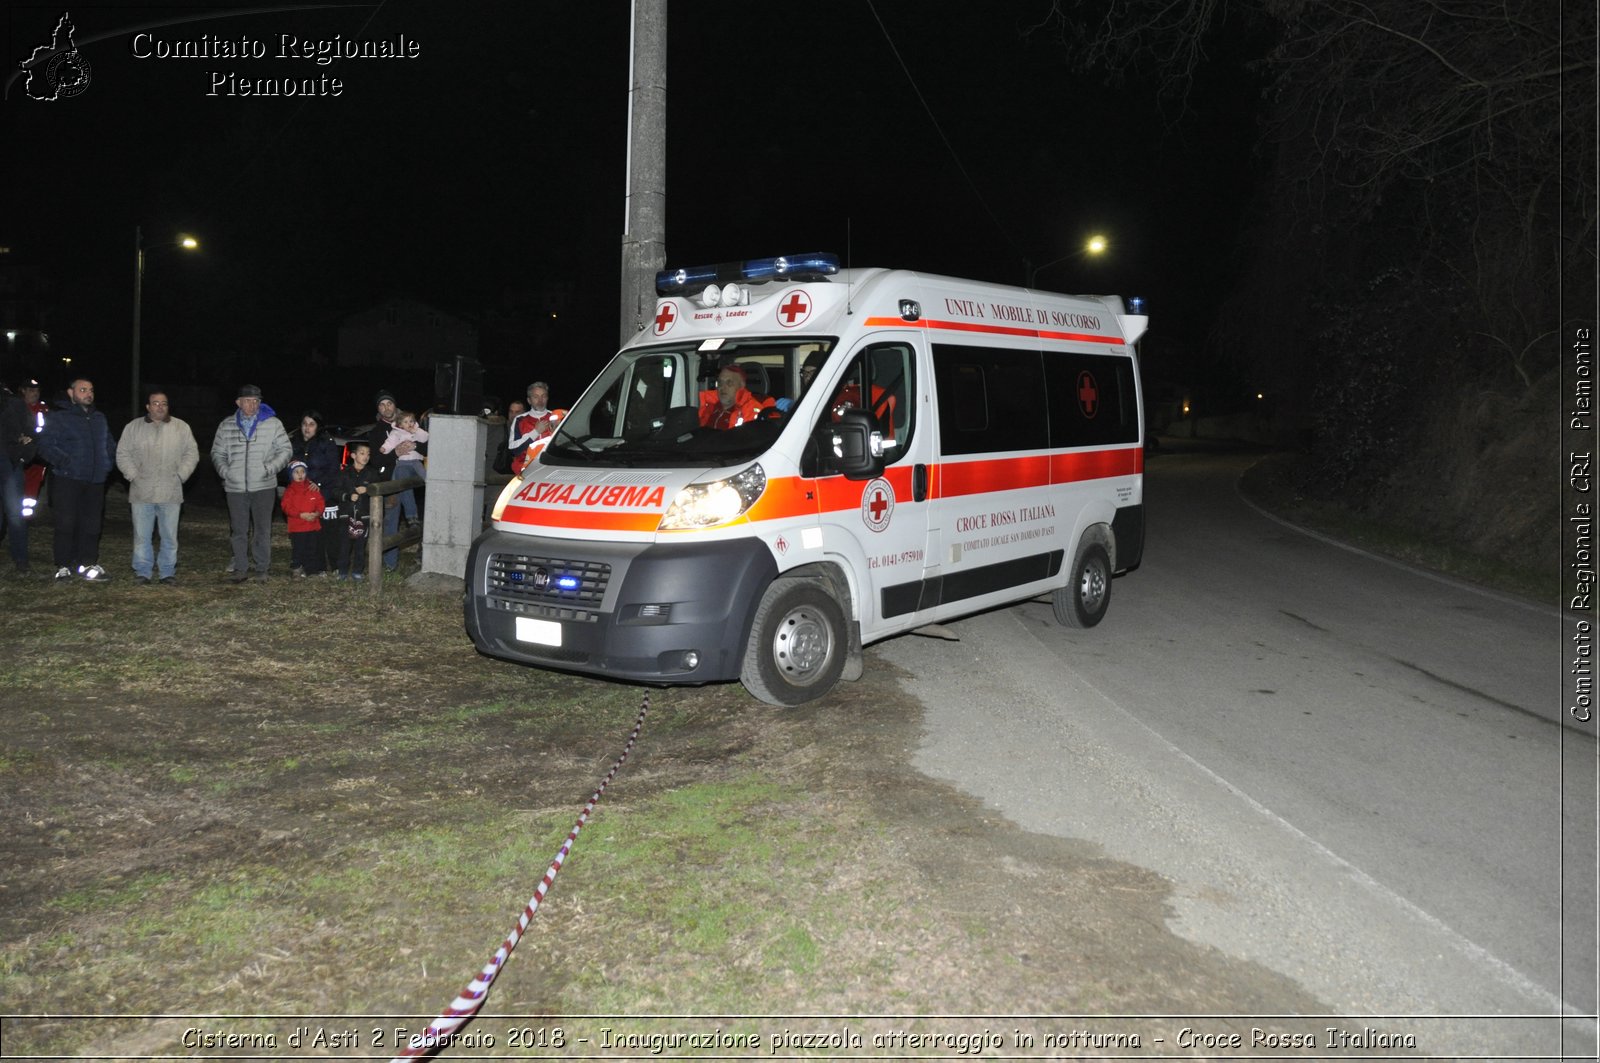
(383, 469)
(78, 444)
(383, 464)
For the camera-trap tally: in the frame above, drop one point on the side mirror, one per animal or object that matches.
(851, 445)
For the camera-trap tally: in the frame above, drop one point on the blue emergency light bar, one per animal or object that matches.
(813, 266)
(1136, 304)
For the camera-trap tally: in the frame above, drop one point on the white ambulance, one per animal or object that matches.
(923, 448)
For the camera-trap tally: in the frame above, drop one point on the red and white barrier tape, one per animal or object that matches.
(439, 1031)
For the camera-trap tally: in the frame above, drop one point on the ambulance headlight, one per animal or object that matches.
(706, 505)
(505, 495)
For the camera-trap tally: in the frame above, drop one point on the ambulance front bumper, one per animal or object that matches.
(655, 613)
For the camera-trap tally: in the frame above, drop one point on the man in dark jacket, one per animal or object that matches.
(17, 428)
(383, 469)
(383, 464)
(77, 442)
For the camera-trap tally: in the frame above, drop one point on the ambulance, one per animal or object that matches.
(924, 448)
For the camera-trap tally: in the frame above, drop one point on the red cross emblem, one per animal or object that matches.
(877, 504)
(1088, 394)
(795, 309)
(666, 317)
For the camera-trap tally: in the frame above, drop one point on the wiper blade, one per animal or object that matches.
(564, 447)
(566, 444)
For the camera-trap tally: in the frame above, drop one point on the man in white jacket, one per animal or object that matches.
(157, 454)
(249, 449)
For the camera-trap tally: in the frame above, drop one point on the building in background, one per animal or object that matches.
(404, 335)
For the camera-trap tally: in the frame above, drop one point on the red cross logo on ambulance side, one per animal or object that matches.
(1088, 395)
(666, 317)
(877, 504)
(793, 308)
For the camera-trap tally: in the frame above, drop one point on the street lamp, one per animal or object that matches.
(188, 243)
(1096, 245)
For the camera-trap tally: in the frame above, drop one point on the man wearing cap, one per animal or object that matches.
(383, 468)
(532, 425)
(17, 428)
(156, 453)
(249, 449)
(378, 434)
(77, 442)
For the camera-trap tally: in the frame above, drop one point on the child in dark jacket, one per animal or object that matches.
(351, 491)
(302, 504)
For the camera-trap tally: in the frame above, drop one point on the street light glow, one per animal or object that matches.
(188, 243)
(1096, 245)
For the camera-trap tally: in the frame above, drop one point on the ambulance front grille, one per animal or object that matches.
(529, 578)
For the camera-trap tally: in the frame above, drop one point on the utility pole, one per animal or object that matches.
(644, 223)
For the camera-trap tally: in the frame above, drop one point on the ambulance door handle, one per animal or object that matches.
(919, 483)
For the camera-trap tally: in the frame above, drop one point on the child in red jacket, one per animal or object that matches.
(302, 504)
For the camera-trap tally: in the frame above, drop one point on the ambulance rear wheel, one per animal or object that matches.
(1083, 601)
(797, 645)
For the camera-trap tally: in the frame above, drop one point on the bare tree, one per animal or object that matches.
(1465, 128)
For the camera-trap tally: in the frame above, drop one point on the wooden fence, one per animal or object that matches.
(379, 543)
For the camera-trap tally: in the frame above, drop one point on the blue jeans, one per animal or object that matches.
(163, 517)
(409, 470)
(406, 502)
(12, 520)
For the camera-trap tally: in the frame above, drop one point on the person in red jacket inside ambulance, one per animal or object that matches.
(730, 404)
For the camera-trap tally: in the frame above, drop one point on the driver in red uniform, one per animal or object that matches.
(730, 404)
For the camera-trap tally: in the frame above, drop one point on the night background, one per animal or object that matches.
(1359, 228)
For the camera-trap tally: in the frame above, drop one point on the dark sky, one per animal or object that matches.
(492, 164)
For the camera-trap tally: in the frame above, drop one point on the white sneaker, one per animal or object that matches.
(94, 574)
(63, 572)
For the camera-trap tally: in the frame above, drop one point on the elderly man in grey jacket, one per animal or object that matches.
(157, 453)
(249, 449)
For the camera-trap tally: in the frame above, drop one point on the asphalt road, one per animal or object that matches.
(1353, 773)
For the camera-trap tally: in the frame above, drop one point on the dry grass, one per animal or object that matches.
(288, 800)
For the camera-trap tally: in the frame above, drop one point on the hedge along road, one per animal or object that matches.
(1352, 772)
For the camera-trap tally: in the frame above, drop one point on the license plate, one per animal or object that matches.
(540, 632)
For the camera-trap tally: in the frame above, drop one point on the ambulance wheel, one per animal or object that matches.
(797, 644)
(1083, 601)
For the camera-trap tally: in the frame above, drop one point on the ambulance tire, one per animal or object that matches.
(797, 645)
(1082, 602)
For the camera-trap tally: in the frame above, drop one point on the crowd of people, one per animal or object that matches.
(323, 488)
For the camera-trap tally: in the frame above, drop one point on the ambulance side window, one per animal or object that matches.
(880, 379)
(647, 395)
(885, 373)
(990, 399)
(1093, 401)
(603, 421)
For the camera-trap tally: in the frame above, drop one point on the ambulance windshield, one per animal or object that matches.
(687, 405)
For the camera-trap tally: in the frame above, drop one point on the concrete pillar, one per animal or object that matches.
(456, 465)
(644, 221)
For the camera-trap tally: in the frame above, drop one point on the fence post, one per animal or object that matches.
(375, 542)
